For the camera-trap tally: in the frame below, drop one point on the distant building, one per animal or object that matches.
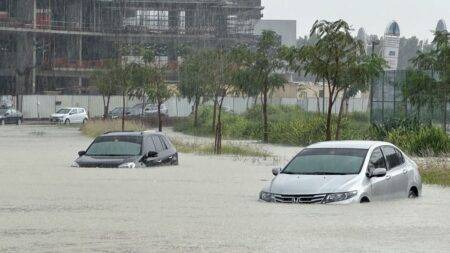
(286, 29)
(362, 36)
(54, 46)
(390, 45)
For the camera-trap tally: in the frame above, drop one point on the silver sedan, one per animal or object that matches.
(345, 172)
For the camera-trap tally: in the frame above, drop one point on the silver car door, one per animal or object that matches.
(379, 185)
(397, 171)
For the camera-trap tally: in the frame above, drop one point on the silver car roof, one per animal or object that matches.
(348, 144)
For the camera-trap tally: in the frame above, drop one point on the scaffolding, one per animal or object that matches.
(54, 45)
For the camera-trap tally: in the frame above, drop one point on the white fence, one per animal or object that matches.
(41, 106)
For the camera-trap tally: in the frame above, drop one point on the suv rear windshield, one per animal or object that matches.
(116, 146)
(327, 161)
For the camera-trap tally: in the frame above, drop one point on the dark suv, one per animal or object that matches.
(128, 150)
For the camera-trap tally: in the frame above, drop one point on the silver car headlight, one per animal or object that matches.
(130, 165)
(75, 165)
(341, 196)
(266, 196)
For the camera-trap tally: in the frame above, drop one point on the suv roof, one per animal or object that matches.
(131, 133)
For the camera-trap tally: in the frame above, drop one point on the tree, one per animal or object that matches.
(194, 81)
(154, 85)
(429, 84)
(106, 85)
(338, 59)
(124, 75)
(259, 76)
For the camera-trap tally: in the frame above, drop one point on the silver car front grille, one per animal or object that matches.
(300, 199)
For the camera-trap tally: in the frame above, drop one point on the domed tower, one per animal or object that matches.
(441, 26)
(391, 44)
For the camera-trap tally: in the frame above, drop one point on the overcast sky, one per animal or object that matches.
(415, 17)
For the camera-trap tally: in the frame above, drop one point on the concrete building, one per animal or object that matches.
(53, 46)
(286, 29)
(390, 44)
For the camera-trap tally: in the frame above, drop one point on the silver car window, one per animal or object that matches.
(392, 158)
(377, 159)
(400, 156)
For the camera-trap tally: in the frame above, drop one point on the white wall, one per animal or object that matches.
(41, 106)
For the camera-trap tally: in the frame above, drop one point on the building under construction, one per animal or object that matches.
(53, 46)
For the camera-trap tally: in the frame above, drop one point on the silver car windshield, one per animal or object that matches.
(327, 161)
(116, 146)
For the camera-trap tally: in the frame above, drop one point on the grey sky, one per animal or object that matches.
(415, 17)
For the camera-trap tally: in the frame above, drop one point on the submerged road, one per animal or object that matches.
(206, 204)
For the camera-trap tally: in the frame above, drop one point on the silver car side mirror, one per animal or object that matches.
(379, 172)
(276, 171)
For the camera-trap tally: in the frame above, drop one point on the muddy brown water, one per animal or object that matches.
(207, 204)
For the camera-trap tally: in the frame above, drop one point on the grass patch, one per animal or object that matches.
(436, 172)
(94, 128)
(287, 125)
(227, 149)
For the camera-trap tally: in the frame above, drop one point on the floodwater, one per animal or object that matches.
(207, 204)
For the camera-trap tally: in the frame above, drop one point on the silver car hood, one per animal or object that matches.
(312, 184)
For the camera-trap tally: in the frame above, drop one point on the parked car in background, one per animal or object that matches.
(152, 110)
(149, 110)
(128, 150)
(118, 112)
(70, 115)
(345, 172)
(10, 116)
(136, 110)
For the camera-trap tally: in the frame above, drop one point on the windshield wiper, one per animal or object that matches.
(327, 173)
(110, 155)
(315, 173)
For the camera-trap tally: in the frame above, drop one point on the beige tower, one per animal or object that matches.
(391, 44)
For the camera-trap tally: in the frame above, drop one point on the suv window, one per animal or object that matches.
(392, 157)
(158, 144)
(377, 159)
(80, 111)
(150, 145)
(164, 142)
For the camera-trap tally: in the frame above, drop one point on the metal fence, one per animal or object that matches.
(388, 102)
(41, 106)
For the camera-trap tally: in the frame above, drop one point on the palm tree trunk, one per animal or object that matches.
(328, 126)
(197, 101)
(265, 121)
(105, 112)
(160, 123)
(218, 135)
(214, 114)
(123, 111)
(341, 110)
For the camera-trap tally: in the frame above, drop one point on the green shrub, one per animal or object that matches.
(287, 125)
(422, 141)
